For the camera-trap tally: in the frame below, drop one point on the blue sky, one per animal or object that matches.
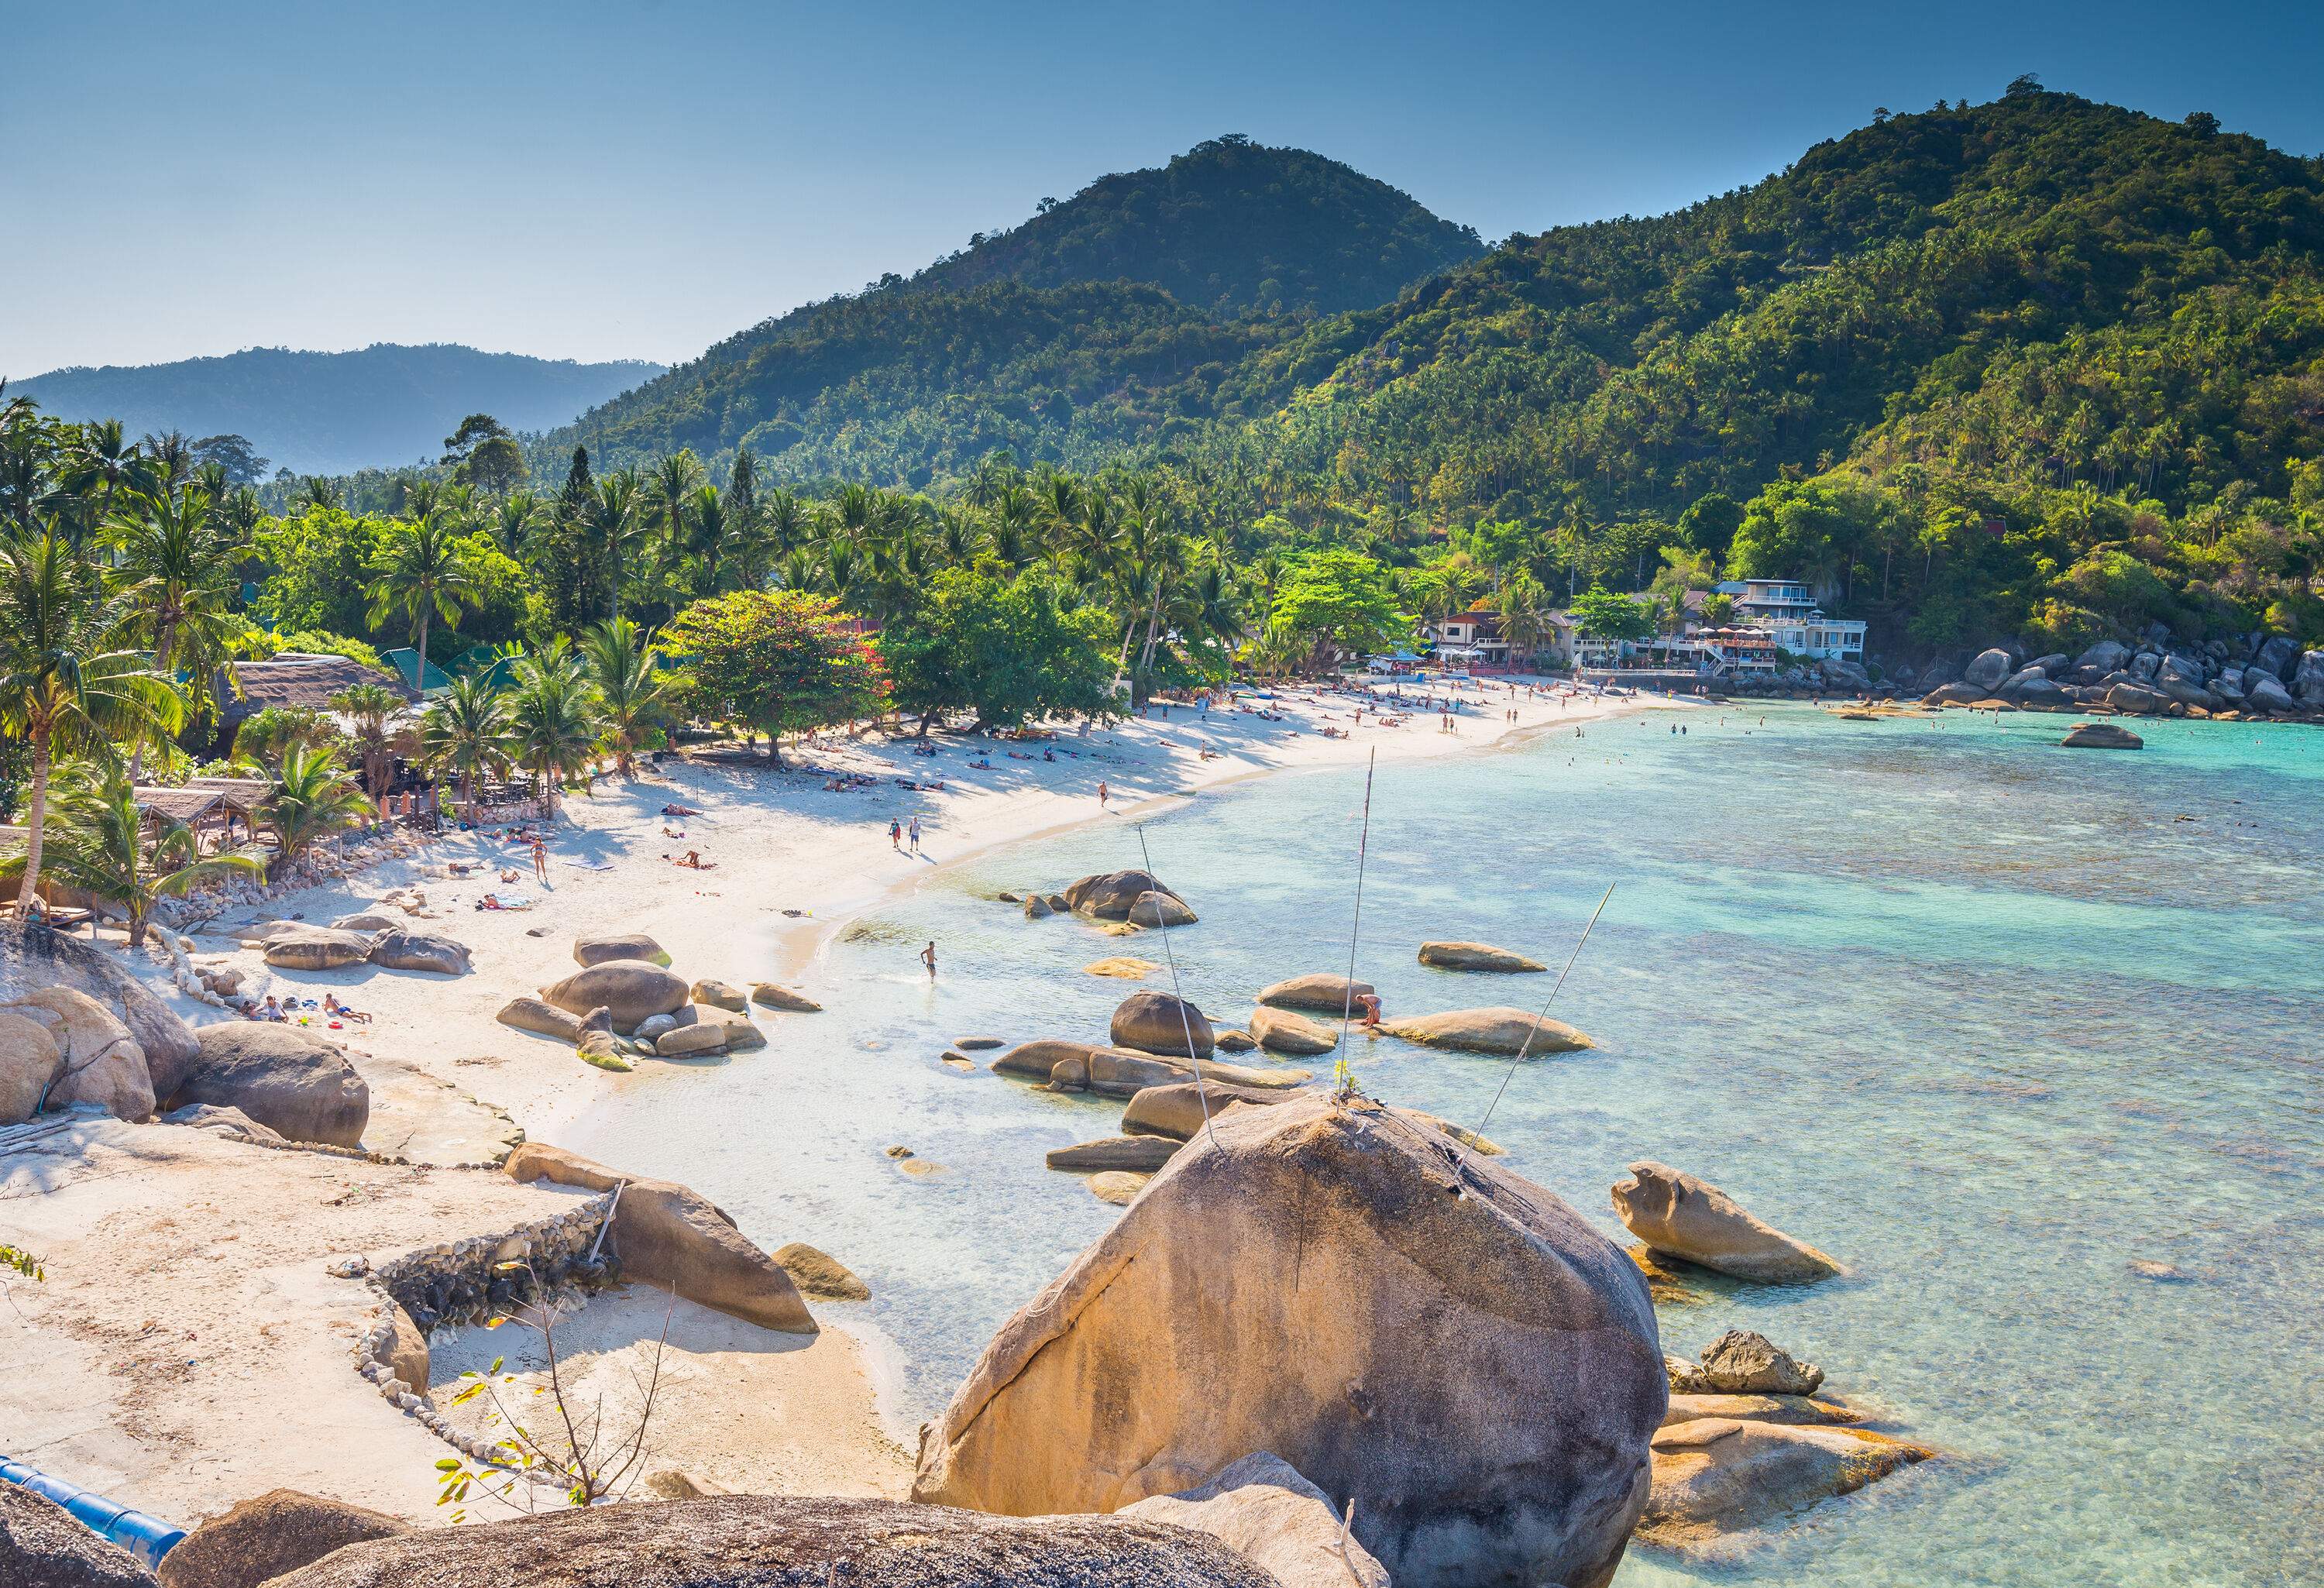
(598, 180)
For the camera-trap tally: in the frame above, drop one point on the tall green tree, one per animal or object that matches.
(423, 572)
(624, 668)
(776, 662)
(1010, 651)
(466, 731)
(553, 719)
(69, 683)
(314, 797)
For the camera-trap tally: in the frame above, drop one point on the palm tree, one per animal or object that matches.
(465, 730)
(555, 719)
(424, 573)
(100, 848)
(379, 735)
(625, 669)
(182, 586)
(609, 524)
(671, 490)
(314, 797)
(66, 685)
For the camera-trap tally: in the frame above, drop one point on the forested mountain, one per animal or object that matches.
(1098, 323)
(334, 413)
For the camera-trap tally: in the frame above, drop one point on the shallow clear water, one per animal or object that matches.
(1978, 1015)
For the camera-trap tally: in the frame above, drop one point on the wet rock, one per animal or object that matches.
(1715, 1476)
(1475, 956)
(1036, 1060)
(2101, 736)
(1679, 1215)
(1036, 909)
(1798, 1409)
(1124, 967)
(1138, 1154)
(1743, 1362)
(1111, 895)
(1488, 1031)
(976, 1044)
(1279, 1031)
(603, 1050)
(1179, 1109)
(1320, 990)
(1160, 909)
(1233, 1041)
(818, 1273)
(1140, 1370)
(766, 996)
(286, 1078)
(1162, 1022)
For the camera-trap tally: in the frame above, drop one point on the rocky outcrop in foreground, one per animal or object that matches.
(286, 1078)
(1266, 1511)
(261, 1539)
(35, 957)
(1304, 1282)
(42, 1546)
(761, 1541)
(1679, 1215)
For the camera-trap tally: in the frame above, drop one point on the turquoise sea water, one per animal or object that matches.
(1980, 1016)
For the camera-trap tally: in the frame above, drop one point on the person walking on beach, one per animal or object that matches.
(540, 860)
(928, 958)
(1103, 794)
(915, 834)
(896, 836)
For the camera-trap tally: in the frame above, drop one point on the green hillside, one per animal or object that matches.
(1097, 324)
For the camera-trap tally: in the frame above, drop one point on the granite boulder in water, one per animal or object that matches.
(1678, 1215)
(1480, 1371)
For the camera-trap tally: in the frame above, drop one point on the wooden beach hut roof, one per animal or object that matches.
(181, 805)
(301, 678)
(245, 792)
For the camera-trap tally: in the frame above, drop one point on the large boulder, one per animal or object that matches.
(2101, 736)
(1179, 1109)
(1163, 1022)
(1953, 694)
(262, 1538)
(2278, 656)
(543, 1018)
(42, 1546)
(818, 1273)
(34, 956)
(597, 947)
(632, 990)
(2138, 700)
(721, 995)
(396, 949)
(1679, 1215)
(2263, 693)
(2039, 694)
(1488, 1030)
(317, 948)
(406, 1353)
(1160, 910)
(1109, 896)
(2105, 656)
(1263, 1510)
(1320, 991)
(29, 1062)
(1716, 1475)
(363, 920)
(100, 1064)
(2306, 684)
(766, 996)
(706, 1029)
(1279, 1031)
(1265, 1293)
(669, 1235)
(1139, 1154)
(286, 1078)
(1986, 670)
(1037, 1060)
(765, 1541)
(1475, 956)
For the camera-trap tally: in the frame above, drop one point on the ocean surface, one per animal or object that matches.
(1989, 1020)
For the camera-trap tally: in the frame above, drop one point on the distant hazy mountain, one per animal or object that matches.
(335, 413)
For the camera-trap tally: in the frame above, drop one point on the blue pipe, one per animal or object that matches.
(149, 1538)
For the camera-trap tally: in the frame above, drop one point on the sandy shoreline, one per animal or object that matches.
(792, 863)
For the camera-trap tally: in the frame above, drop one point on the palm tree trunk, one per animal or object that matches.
(36, 811)
(420, 673)
(161, 640)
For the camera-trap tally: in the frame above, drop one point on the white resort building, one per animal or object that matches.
(1785, 611)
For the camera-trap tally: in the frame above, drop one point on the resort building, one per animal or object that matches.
(1475, 637)
(1787, 612)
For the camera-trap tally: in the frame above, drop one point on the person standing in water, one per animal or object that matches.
(928, 958)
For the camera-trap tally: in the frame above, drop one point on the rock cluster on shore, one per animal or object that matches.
(2161, 676)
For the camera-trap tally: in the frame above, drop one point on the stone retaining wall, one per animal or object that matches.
(460, 1281)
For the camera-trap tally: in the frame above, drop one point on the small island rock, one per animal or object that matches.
(1475, 956)
(1678, 1215)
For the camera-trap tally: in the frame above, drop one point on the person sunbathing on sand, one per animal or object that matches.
(338, 1011)
(693, 861)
